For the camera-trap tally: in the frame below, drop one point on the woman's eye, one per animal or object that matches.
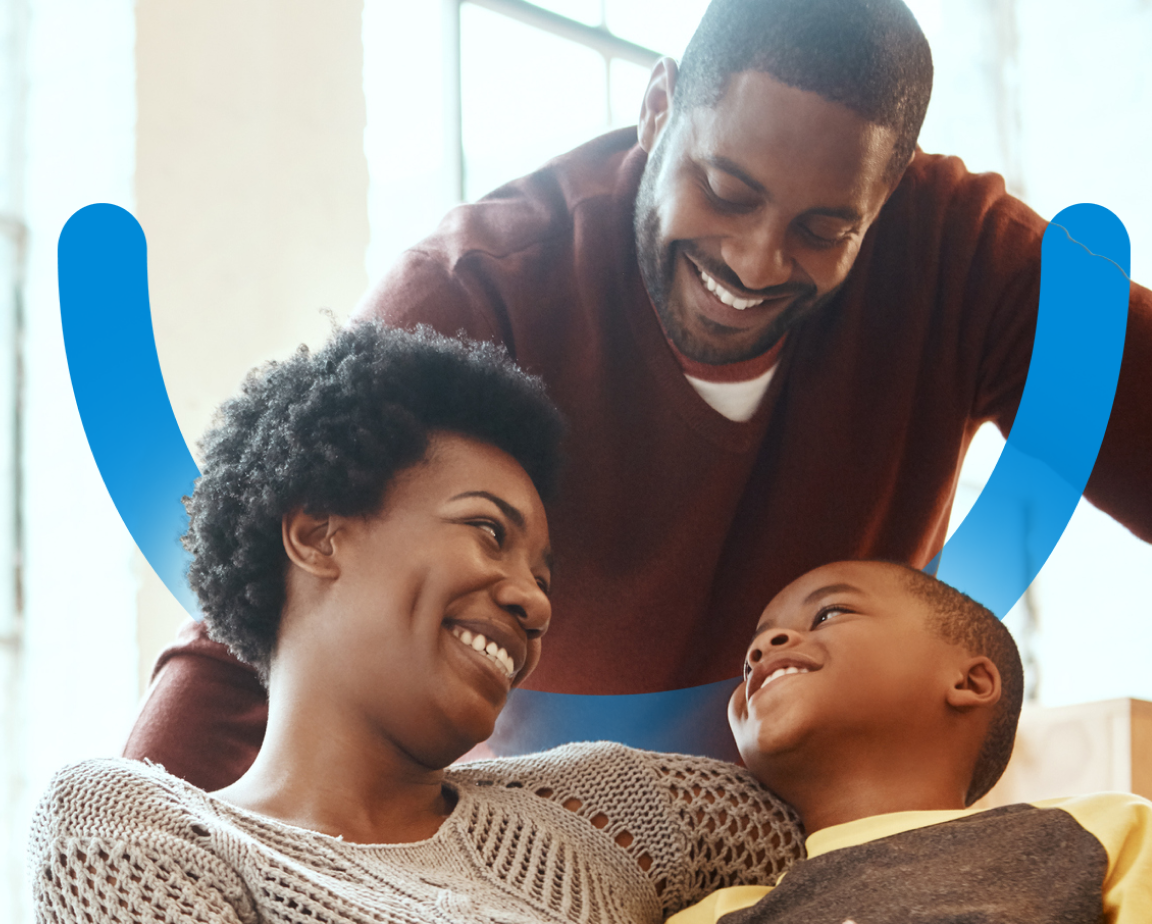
(492, 528)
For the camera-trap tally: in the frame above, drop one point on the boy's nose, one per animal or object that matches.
(770, 641)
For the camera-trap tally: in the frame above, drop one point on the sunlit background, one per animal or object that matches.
(281, 153)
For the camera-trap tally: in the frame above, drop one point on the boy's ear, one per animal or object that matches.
(308, 543)
(978, 685)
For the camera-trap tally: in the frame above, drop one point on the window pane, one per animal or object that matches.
(628, 83)
(585, 11)
(664, 27)
(526, 97)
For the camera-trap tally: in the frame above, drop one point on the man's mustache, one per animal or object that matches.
(725, 275)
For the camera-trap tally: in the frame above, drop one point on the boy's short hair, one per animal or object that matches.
(960, 620)
(327, 432)
(868, 55)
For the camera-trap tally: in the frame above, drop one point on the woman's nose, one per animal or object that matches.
(523, 597)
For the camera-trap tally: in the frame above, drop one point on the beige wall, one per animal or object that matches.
(251, 186)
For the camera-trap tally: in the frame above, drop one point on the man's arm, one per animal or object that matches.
(204, 716)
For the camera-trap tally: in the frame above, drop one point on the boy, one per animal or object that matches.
(880, 703)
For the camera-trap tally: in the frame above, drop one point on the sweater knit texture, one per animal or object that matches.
(585, 833)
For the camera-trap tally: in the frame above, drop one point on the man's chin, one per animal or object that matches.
(705, 340)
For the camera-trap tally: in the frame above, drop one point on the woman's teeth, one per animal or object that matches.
(725, 296)
(490, 650)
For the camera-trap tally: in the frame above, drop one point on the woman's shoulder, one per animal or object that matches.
(113, 796)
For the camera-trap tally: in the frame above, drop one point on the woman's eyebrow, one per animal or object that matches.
(506, 508)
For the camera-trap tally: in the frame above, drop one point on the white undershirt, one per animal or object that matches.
(735, 400)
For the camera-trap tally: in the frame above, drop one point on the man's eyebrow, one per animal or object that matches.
(844, 213)
(734, 169)
(506, 508)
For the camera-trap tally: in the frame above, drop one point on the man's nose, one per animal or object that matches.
(759, 254)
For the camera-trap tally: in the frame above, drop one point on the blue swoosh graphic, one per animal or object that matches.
(119, 387)
(994, 554)
(1001, 545)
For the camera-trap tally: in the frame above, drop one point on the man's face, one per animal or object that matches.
(842, 662)
(750, 213)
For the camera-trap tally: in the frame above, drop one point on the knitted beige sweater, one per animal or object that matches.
(586, 832)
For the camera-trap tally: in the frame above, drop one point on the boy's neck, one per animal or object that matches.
(856, 791)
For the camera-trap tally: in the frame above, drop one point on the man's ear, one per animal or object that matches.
(656, 109)
(978, 685)
(308, 543)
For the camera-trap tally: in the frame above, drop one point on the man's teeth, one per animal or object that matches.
(490, 650)
(725, 296)
(781, 671)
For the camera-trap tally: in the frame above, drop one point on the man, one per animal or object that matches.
(773, 326)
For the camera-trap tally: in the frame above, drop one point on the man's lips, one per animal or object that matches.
(734, 307)
(769, 670)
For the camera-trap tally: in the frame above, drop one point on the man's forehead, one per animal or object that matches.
(758, 118)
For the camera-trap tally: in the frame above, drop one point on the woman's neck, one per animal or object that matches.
(319, 769)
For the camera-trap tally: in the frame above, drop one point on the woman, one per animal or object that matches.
(369, 532)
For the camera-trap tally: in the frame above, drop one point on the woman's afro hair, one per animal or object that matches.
(326, 433)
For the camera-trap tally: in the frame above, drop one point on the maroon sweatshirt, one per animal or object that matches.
(675, 526)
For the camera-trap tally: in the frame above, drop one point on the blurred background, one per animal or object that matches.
(279, 154)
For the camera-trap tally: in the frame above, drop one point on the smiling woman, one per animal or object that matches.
(370, 533)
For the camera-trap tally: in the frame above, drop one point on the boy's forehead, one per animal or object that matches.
(879, 582)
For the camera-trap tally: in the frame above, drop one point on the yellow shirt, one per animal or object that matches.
(1113, 828)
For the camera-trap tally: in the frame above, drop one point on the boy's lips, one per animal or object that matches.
(768, 670)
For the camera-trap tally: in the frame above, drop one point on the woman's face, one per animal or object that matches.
(439, 602)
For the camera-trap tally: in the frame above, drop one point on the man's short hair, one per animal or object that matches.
(960, 620)
(868, 55)
(326, 433)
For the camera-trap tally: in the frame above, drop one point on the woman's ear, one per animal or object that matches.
(977, 686)
(308, 543)
(656, 109)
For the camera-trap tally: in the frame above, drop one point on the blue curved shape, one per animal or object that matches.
(119, 387)
(1020, 515)
(993, 555)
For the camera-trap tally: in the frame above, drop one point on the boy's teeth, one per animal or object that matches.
(781, 671)
(491, 650)
(725, 296)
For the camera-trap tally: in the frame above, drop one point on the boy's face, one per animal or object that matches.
(842, 662)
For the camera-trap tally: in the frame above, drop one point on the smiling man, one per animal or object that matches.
(773, 325)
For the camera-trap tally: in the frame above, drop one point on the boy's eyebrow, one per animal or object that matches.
(831, 589)
(824, 591)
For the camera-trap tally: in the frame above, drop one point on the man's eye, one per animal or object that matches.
(721, 201)
(823, 238)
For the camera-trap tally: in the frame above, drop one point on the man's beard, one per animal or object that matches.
(658, 270)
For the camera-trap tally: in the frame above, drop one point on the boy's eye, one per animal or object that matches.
(825, 612)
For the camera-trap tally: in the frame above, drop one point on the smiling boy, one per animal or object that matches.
(881, 703)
